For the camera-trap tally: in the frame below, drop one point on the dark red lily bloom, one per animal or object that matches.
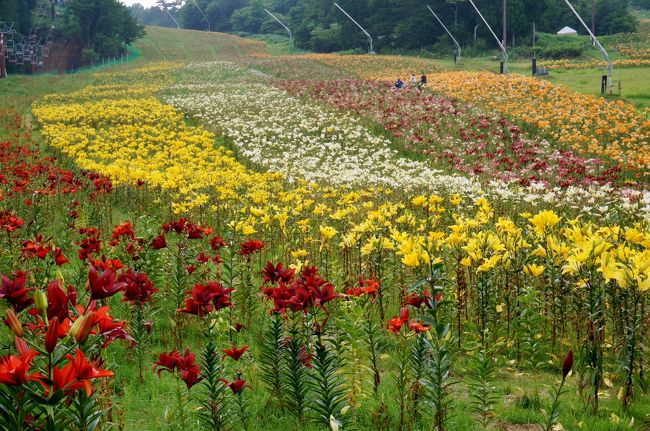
(14, 369)
(138, 289)
(59, 258)
(103, 285)
(57, 300)
(15, 291)
(77, 374)
(173, 361)
(158, 242)
(274, 274)
(202, 258)
(123, 230)
(205, 299)
(249, 248)
(217, 243)
(236, 386)
(567, 364)
(167, 362)
(324, 294)
(235, 353)
(89, 246)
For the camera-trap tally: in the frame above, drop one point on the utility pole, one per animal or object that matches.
(593, 17)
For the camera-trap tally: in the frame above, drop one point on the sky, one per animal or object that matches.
(145, 3)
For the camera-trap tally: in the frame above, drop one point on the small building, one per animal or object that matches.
(567, 31)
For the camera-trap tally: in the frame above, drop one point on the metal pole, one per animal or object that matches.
(204, 17)
(178, 26)
(282, 24)
(503, 48)
(358, 25)
(610, 67)
(3, 66)
(448, 32)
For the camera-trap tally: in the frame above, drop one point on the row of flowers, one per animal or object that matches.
(459, 134)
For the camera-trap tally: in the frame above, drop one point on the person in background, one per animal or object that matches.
(413, 80)
(423, 81)
(399, 84)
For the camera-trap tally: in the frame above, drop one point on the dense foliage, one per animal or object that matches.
(401, 24)
(91, 29)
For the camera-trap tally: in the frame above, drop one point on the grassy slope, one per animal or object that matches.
(143, 405)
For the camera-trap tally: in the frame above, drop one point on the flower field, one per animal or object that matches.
(198, 245)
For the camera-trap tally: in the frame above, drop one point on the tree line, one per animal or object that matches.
(318, 25)
(89, 29)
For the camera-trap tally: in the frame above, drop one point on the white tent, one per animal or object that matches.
(567, 31)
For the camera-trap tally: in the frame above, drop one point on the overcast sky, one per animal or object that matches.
(145, 3)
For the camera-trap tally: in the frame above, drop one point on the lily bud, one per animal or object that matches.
(12, 322)
(52, 336)
(21, 345)
(567, 364)
(84, 328)
(40, 301)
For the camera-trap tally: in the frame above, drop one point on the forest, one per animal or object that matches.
(86, 29)
(317, 25)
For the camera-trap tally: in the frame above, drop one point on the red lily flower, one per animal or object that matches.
(205, 299)
(173, 361)
(235, 353)
(15, 291)
(158, 242)
(13, 369)
(10, 222)
(249, 248)
(236, 386)
(59, 258)
(216, 243)
(123, 230)
(274, 274)
(417, 326)
(77, 374)
(103, 285)
(138, 289)
(57, 301)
